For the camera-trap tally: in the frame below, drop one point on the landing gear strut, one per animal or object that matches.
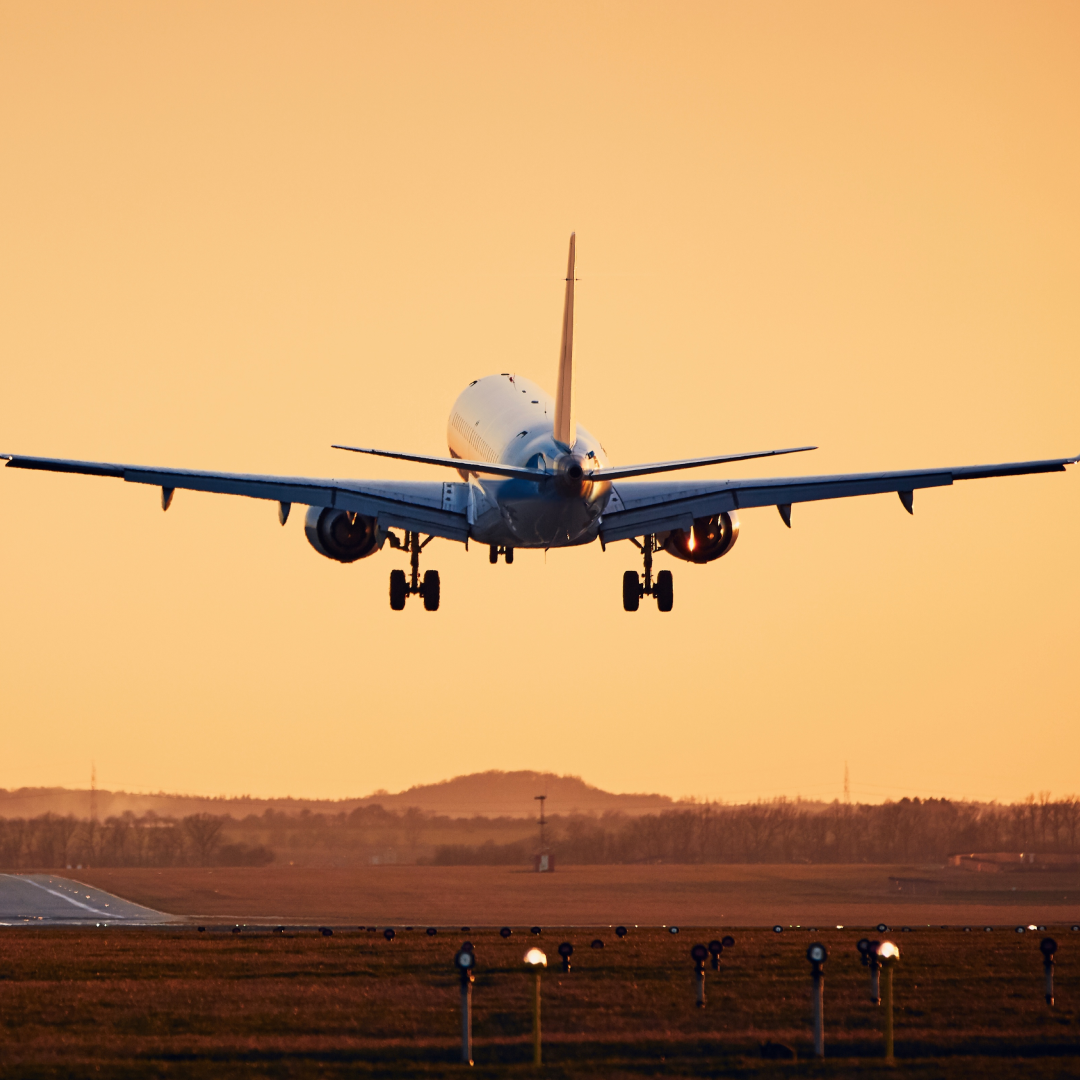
(632, 588)
(494, 551)
(401, 588)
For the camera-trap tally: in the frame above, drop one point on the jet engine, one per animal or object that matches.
(710, 538)
(337, 534)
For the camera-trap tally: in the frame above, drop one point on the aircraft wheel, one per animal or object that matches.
(509, 555)
(399, 589)
(631, 595)
(493, 553)
(431, 590)
(665, 592)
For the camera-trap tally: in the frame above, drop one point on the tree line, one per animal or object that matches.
(776, 831)
(785, 831)
(52, 841)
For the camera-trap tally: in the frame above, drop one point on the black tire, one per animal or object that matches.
(509, 555)
(665, 592)
(431, 590)
(399, 589)
(631, 591)
(493, 553)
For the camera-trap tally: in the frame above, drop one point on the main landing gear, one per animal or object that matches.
(632, 588)
(494, 551)
(401, 588)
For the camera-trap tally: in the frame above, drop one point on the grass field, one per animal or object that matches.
(758, 895)
(151, 1003)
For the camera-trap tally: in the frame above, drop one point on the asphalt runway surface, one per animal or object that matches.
(48, 900)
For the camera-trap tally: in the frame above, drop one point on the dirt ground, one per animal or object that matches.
(179, 1003)
(598, 895)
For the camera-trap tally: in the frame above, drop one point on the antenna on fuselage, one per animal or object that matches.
(565, 430)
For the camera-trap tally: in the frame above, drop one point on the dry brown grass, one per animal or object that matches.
(595, 895)
(183, 1003)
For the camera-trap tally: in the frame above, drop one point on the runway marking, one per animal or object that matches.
(70, 900)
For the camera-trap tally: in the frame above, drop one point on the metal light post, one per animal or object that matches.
(566, 950)
(699, 954)
(465, 962)
(536, 960)
(817, 954)
(868, 950)
(888, 954)
(1048, 946)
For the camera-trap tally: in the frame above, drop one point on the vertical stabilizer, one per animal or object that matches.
(565, 429)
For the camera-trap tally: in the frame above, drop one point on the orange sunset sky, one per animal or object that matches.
(234, 233)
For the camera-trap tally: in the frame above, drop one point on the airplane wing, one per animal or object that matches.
(637, 509)
(432, 507)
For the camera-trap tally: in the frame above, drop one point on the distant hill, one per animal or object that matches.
(513, 794)
(487, 794)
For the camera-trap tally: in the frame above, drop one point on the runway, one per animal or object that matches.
(48, 900)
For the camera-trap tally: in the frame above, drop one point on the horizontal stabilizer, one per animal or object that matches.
(513, 471)
(622, 472)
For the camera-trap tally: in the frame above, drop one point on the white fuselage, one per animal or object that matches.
(507, 420)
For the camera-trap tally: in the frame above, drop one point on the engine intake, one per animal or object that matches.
(339, 535)
(710, 538)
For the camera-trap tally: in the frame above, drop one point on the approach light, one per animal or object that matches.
(699, 954)
(727, 941)
(715, 949)
(389, 934)
(1032, 926)
(505, 932)
(882, 928)
(620, 931)
(566, 950)
(817, 954)
(597, 943)
(536, 958)
(431, 931)
(1048, 946)
(888, 951)
(673, 929)
(535, 930)
(465, 959)
(1020, 929)
(777, 929)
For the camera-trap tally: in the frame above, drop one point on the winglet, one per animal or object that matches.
(565, 431)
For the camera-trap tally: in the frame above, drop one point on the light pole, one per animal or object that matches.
(465, 962)
(1048, 946)
(888, 954)
(699, 954)
(817, 954)
(536, 960)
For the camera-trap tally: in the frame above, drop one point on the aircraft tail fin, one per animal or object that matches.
(565, 430)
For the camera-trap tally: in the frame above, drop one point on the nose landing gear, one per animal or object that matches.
(401, 588)
(632, 588)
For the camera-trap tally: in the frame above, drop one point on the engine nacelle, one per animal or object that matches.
(711, 537)
(337, 534)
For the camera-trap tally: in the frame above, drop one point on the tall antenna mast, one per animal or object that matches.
(847, 786)
(93, 791)
(542, 822)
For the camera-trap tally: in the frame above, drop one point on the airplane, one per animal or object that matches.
(531, 477)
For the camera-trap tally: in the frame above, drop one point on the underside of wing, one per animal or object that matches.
(638, 509)
(432, 507)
